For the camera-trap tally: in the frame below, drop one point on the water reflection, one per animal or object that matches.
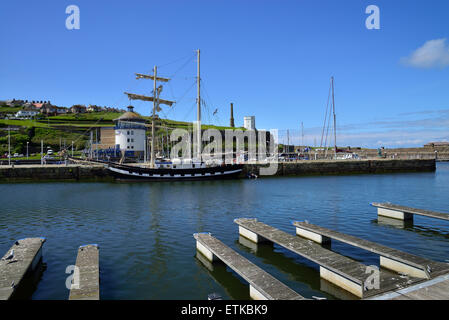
(234, 287)
(396, 223)
(412, 226)
(293, 267)
(30, 282)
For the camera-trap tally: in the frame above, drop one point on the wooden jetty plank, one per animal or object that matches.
(88, 272)
(404, 213)
(340, 270)
(263, 286)
(392, 259)
(22, 258)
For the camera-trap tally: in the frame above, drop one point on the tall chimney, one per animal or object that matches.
(232, 115)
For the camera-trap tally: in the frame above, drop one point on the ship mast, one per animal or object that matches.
(198, 134)
(152, 158)
(156, 102)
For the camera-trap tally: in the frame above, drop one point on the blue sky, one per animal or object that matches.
(272, 59)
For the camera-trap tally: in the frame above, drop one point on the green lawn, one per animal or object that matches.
(36, 157)
(92, 116)
(24, 123)
(10, 109)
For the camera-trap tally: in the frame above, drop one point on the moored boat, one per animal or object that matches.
(176, 169)
(171, 172)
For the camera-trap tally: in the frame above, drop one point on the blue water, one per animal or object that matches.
(145, 230)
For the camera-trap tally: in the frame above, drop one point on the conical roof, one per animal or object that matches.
(130, 115)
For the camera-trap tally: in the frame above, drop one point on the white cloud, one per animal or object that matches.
(434, 53)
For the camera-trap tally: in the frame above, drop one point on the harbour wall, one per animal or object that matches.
(344, 167)
(53, 172)
(301, 168)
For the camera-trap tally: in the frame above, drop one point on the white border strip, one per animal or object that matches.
(176, 176)
(416, 287)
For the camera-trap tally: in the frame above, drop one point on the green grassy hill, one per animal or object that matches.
(69, 127)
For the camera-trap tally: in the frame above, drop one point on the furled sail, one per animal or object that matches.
(144, 76)
(133, 96)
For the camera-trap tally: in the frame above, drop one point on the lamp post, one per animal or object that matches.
(72, 148)
(9, 146)
(27, 148)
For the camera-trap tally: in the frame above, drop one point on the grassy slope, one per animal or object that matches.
(70, 127)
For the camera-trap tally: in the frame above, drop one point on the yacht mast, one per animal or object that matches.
(198, 137)
(335, 118)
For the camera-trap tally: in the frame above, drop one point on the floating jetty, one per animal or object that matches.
(342, 271)
(390, 258)
(436, 289)
(86, 278)
(20, 260)
(395, 211)
(262, 285)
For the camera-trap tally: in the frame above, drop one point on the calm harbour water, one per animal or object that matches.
(145, 230)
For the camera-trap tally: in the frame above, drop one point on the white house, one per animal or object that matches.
(249, 123)
(26, 114)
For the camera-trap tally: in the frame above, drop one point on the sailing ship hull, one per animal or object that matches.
(123, 172)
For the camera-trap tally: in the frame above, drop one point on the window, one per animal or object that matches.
(128, 140)
(128, 147)
(132, 147)
(132, 140)
(127, 132)
(132, 133)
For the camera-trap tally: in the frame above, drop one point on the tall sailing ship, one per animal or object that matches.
(174, 169)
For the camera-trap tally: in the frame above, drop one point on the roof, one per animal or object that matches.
(130, 116)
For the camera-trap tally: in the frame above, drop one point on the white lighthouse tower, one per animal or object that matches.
(130, 132)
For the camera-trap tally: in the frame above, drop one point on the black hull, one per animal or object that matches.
(131, 173)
